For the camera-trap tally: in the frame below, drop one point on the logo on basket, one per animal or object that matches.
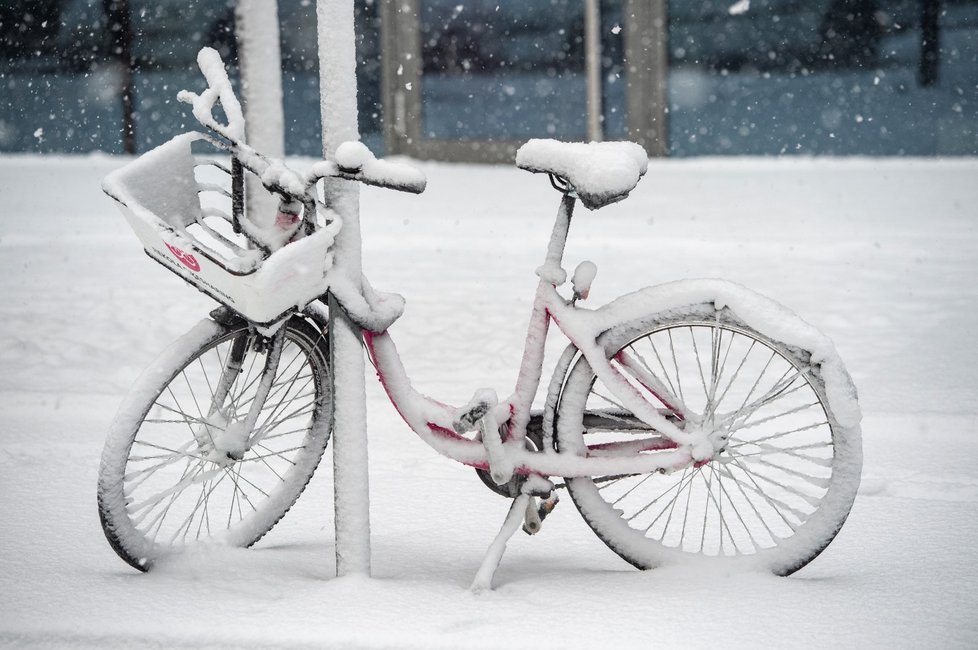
(186, 259)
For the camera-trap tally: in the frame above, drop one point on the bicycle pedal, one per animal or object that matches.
(467, 417)
(533, 522)
(547, 506)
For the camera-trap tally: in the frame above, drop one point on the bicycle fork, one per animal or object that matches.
(226, 436)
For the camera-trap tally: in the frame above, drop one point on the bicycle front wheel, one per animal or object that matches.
(178, 469)
(777, 490)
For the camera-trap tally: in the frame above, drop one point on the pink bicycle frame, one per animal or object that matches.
(433, 421)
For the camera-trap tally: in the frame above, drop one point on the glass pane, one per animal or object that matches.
(822, 77)
(300, 76)
(62, 85)
(503, 69)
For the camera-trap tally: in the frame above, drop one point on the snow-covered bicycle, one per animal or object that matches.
(690, 419)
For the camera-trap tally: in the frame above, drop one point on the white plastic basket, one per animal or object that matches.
(181, 213)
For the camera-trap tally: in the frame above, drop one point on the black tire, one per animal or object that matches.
(777, 492)
(167, 480)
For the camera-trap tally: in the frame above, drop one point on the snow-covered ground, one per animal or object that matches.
(880, 254)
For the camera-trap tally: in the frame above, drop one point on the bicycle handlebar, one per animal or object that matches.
(353, 160)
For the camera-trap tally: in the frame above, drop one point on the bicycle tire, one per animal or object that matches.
(790, 479)
(162, 457)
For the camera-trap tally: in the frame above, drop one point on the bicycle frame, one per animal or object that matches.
(434, 421)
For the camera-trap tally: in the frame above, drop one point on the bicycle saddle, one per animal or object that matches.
(600, 172)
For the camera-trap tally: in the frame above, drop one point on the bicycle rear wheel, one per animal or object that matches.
(777, 492)
(178, 469)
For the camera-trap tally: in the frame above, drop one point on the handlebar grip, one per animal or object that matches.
(356, 162)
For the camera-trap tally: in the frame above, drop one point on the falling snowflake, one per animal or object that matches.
(739, 8)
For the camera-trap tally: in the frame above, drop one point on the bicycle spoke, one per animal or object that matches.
(719, 507)
(647, 379)
(675, 364)
(157, 521)
(305, 409)
(185, 418)
(273, 454)
(689, 497)
(206, 426)
(264, 460)
(188, 521)
(280, 434)
(699, 367)
(610, 401)
(772, 501)
(631, 489)
(679, 486)
(782, 434)
(732, 505)
(193, 396)
(665, 373)
(738, 419)
(706, 510)
(169, 460)
(816, 481)
(282, 405)
(273, 391)
(245, 383)
(771, 418)
(768, 450)
(736, 373)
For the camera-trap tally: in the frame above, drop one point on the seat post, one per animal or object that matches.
(558, 238)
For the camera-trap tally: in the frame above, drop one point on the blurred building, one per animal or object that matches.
(472, 79)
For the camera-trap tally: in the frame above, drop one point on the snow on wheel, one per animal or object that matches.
(180, 468)
(785, 472)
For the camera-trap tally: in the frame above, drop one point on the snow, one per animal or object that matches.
(260, 62)
(218, 90)
(354, 158)
(338, 108)
(739, 8)
(583, 277)
(352, 155)
(880, 255)
(160, 214)
(601, 172)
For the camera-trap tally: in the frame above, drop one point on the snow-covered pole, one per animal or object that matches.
(338, 97)
(260, 60)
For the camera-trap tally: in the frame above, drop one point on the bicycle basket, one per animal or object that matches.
(179, 206)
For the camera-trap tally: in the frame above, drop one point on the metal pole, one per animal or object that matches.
(338, 97)
(592, 65)
(260, 60)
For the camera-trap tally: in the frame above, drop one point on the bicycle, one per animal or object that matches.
(689, 419)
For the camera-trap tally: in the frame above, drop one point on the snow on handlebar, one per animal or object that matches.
(218, 90)
(353, 160)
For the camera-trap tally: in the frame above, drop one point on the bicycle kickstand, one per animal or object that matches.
(523, 508)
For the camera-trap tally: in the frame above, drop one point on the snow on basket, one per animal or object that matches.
(180, 207)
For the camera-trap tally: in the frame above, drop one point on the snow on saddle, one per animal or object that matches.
(600, 172)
